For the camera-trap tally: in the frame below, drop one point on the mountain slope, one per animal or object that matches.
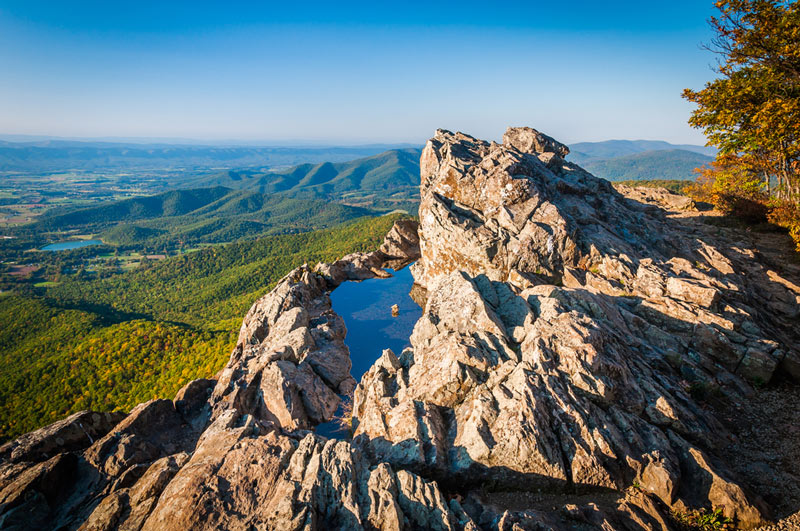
(585, 151)
(386, 171)
(674, 164)
(175, 203)
(379, 178)
(207, 215)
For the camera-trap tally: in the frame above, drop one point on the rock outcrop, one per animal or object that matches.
(574, 352)
(564, 332)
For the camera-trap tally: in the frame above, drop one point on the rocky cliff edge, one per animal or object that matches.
(575, 350)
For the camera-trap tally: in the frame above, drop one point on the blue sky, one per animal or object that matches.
(351, 72)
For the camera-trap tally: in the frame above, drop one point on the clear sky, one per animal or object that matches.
(351, 72)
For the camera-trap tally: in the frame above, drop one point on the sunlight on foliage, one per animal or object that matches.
(703, 520)
(111, 343)
(752, 112)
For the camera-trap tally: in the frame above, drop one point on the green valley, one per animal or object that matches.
(111, 342)
(387, 180)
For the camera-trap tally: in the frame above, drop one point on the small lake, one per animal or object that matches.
(366, 308)
(66, 246)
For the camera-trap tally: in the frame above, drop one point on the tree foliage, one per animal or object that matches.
(733, 188)
(751, 112)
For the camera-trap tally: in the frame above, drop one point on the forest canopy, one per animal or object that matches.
(111, 343)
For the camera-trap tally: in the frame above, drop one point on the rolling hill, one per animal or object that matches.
(208, 215)
(387, 180)
(608, 149)
(674, 164)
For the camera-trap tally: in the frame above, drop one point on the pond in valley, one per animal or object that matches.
(366, 308)
(65, 246)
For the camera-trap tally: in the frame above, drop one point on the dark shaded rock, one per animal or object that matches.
(74, 433)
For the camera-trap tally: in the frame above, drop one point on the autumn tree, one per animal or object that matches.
(752, 111)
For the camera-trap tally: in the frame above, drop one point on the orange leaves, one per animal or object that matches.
(787, 215)
(752, 112)
(733, 185)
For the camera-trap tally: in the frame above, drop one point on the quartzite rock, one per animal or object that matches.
(566, 333)
(74, 433)
(519, 383)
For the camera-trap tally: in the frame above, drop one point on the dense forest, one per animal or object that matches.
(110, 343)
(184, 217)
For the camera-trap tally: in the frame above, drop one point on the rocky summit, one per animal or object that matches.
(579, 358)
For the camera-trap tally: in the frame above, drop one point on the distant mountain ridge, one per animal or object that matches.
(386, 181)
(391, 169)
(59, 155)
(584, 151)
(673, 164)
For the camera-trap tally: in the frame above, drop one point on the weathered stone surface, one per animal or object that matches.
(274, 482)
(657, 196)
(74, 433)
(34, 493)
(692, 291)
(519, 383)
(152, 429)
(291, 359)
(529, 140)
(575, 353)
(401, 245)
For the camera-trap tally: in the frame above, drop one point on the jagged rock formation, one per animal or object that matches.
(552, 382)
(582, 385)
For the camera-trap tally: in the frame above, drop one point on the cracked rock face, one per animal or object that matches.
(551, 383)
(582, 385)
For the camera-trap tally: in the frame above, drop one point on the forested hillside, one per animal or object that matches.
(184, 217)
(111, 343)
(676, 164)
(386, 180)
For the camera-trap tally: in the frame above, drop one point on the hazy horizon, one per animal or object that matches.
(352, 74)
(288, 143)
